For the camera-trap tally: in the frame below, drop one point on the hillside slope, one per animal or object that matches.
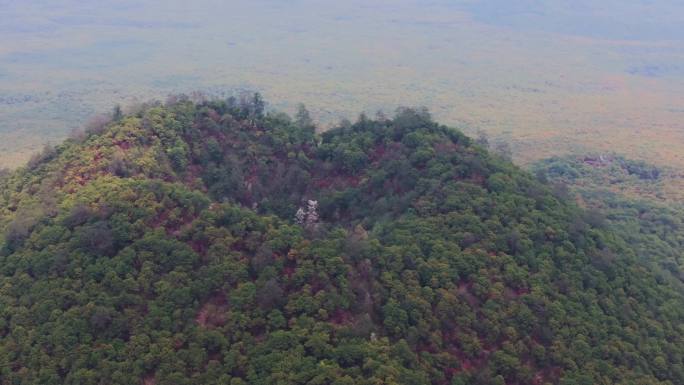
(637, 200)
(215, 244)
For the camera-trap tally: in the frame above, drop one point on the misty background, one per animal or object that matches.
(548, 77)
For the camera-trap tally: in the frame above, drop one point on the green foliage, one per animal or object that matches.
(427, 262)
(628, 197)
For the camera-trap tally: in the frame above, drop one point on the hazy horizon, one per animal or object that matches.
(548, 77)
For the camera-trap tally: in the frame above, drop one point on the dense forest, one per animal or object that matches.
(632, 179)
(634, 198)
(217, 243)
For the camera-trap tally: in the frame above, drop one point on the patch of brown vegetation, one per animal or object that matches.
(342, 317)
(213, 313)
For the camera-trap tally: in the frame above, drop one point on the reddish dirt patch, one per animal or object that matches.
(213, 115)
(515, 293)
(467, 365)
(464, 291)
(549, 375)
(199, 246)
(288, 271)
(323, 183)
(338, 182)
(381, 152)
(122, 144)
(342, 317)
(194, 171)
(213, 313)
(317, 286)
(377, 153)
(160, 219)
(464, 287)
(451, 372)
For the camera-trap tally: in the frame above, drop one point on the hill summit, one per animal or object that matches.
(214, 243)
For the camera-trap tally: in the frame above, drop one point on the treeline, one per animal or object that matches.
(632, 198)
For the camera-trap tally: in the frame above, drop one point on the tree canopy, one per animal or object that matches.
(220, 243)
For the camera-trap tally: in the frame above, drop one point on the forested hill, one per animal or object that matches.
(214, 243)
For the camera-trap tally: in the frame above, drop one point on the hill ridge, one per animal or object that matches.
(165, 247)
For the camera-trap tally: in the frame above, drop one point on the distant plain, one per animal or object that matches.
(548, 77)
